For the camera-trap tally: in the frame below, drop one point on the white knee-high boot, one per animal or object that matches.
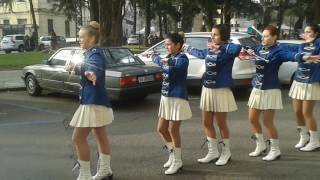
(169, 147)
(225, 153)
(103, 170)
(213, 152)
(177, 162)
(274, 152)
(313, 143)
(84, 170)
(260, 146)
(304, 137)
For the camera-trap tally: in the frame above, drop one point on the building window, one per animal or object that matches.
(67, 28)
(22, 21)
(6, 21)
(50, 26)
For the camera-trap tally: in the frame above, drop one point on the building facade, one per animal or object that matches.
(19, 19)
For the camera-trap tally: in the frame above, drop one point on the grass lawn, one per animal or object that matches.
(16, 61)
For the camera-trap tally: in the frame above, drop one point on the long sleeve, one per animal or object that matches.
(180, 66)
(156, 59)
(199, 53)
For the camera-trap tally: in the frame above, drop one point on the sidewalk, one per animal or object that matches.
(11, 80)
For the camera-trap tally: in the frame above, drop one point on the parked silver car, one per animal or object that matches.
(242, 71)
(45, 42)
(13, 42)
(126, 75)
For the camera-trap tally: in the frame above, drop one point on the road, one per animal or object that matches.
(35, 145)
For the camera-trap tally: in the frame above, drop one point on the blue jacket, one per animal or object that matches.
(174, 75)
(267, 67)
(308, 72)
(90, 94)
(218, 66)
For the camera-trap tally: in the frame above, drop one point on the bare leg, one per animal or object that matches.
(221, 118)
(254, 115)
(102, 139)
(174, 130)
(308, 107)
(163, 130)
(79, 139)
(268, 116)
(207, 123)
(297, 107)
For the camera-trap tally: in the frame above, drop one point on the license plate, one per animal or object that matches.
(143, 79)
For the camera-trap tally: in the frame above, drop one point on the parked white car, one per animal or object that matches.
(133, 40)
(287, 69)
(12, 43)
(242, 71)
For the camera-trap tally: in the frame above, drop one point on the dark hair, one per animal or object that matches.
(224, 31)
(273, 30)
(315, 28)
(93, 29)
(176, 38)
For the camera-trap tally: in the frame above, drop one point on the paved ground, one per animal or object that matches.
(10, 80)
(34, 144)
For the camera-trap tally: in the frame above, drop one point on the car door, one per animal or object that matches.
(196, 65)
(72, 81)
(54, 74)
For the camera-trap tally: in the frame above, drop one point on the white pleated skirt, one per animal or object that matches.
(174, 109)
(217, 100)
(305, 91)
(265, 99)
(92, 116)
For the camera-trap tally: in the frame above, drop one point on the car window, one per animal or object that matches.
(248, 41)
(60, 58)
(160, 48)
(19, 37)
(198, 42)
(120, 57)
(6, 38)
(45, 39)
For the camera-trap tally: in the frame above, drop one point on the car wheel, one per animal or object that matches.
(21, 48)
(7, 52)
(32, 85)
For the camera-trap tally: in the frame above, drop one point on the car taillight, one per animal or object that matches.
(242, 54)
(247, 81)
(158, 77)
(245, 56)
(128, 81)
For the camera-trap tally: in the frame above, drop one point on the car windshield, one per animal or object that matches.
(121, 57)
(134, 36)
(7, 38)
(249, 41)
(45, 39)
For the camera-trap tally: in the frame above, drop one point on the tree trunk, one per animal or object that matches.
(160, 26)
(134, 29)
(110, 21)
(94, 10)
(165, 24)
(227, 12)
(148, 22)
(34, 24)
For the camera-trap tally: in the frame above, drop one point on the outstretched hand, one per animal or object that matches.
(91, 76)
(214, 47)
(313, 59)
(147, 54)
